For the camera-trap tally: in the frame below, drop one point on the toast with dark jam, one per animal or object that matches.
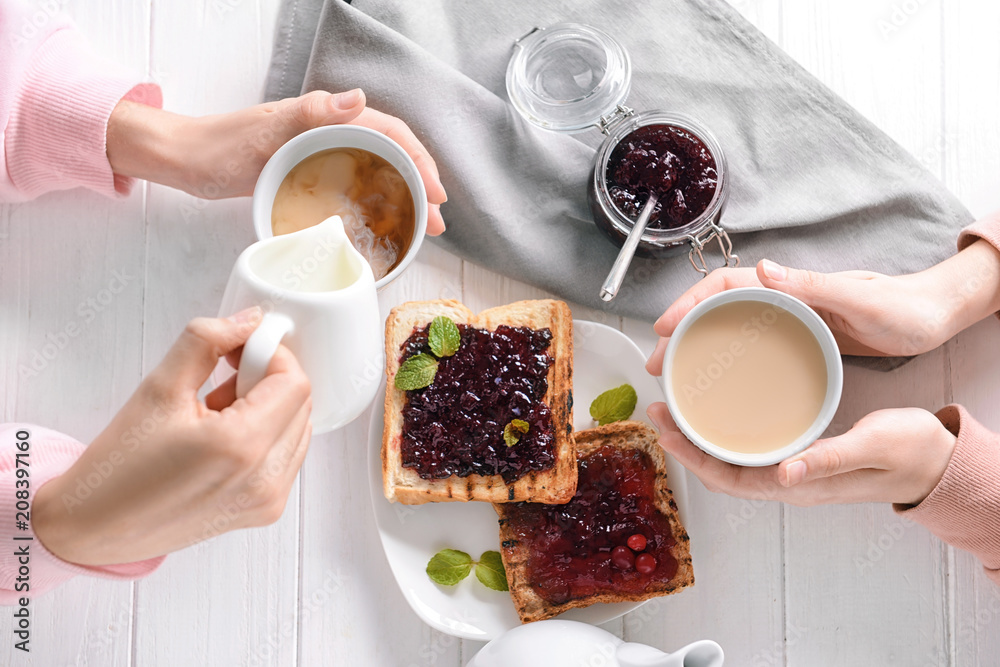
(453, 439)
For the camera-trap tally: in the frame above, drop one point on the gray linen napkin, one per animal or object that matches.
(814, 184)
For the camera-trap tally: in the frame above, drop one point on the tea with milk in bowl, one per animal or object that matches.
(752, 376)
(749, 376)
(367, 192)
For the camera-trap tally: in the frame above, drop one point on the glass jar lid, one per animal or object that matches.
(567, 76)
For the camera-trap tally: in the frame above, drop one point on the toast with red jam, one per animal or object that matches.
(495, 423)
(618, 539)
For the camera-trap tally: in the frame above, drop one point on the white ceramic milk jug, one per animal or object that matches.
(556, 643)
(319, 299)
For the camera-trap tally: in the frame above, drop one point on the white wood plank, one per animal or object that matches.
(972, 170)
(862, 583)
(55, 253)
(71, 393)
(367, 619)
(239, 592)
(971, 94)
(862, 586)
(974, 372)
(892, 77)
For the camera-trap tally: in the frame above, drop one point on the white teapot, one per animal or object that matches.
(556, 643)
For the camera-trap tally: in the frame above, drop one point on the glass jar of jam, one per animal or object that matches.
(571, 78)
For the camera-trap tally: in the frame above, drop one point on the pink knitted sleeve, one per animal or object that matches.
(988, 229)
(55, 100)
(964, 507)
(27, 568)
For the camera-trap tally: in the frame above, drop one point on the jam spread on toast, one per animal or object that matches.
(668, 161)
(586, 547)
(455, 426)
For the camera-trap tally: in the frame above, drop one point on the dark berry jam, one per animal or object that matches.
(571, 546)
(668, 161)
(455, 425)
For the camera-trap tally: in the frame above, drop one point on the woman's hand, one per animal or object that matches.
(895, 456)
(869, 313)
(171, 470)
(213, 157)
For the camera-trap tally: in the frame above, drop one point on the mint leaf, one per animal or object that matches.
(513, 431)
(490, 571)
(443, 337)
(449, 566)
(416, 372)
(614, 405)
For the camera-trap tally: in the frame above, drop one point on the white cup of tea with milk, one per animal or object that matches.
(353, 172)
(752, 376)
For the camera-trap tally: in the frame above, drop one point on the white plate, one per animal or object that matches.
(602, 358)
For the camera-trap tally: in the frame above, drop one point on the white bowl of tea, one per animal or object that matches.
(752, 376)
(359, 174)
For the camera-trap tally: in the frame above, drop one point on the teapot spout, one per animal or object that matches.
(703, 653)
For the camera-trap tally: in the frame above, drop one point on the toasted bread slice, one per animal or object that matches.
(515, 551)
(553, 485)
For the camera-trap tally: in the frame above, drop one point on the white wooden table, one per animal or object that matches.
(777, 585)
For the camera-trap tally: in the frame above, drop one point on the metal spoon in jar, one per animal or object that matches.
(613, 282)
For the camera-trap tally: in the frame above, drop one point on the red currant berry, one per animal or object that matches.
(622, 558)
(637, 542)
(645, 563)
